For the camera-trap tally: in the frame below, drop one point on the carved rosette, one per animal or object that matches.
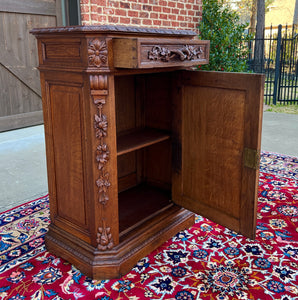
(187, 52)
(100, 125)
(99, 86)
(98, 53)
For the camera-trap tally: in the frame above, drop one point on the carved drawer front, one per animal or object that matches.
(142, 53)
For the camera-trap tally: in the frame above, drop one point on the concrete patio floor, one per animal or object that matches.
(280, 133)
(22, 166)
(23, 161)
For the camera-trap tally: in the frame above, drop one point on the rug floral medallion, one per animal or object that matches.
(207, 261)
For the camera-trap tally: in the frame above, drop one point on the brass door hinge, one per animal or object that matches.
(251, 158)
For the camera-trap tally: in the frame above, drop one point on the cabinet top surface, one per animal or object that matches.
(113, 29)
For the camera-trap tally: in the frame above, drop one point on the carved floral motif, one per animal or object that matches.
(187, 52)
(159, 53)
(98, 53)
(104, 238)
(98, 84)
(102, 155)
(100, 125)
(103, 184)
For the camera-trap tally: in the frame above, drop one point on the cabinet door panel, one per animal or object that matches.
(217, 141)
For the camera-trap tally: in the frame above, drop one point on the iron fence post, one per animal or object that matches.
(277, 64)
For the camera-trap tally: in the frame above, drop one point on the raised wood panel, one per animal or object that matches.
(66, 51)
(217, 119)
(63, 53)
(214, 126)
(67, 131)
(29, 7)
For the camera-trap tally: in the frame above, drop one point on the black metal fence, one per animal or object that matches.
(279, 63)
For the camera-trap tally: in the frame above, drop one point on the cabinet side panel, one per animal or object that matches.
(125, 103)
(158, 115)
(158, 165)
(68, 160)
(158, 102)
(127, 120)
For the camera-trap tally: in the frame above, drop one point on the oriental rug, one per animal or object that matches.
(207, 261)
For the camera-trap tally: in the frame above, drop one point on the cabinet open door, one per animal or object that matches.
(216, 146)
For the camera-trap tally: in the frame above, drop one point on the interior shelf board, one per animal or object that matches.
(140, 139)
(139, 204)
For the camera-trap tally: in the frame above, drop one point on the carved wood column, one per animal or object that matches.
(106, 228)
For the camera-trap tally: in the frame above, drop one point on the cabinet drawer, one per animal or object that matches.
(142, 53)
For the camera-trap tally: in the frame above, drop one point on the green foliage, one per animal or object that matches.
(228, 38)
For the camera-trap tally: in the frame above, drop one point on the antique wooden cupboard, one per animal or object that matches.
(136, 142)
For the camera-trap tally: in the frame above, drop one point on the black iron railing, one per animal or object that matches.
(279, 63)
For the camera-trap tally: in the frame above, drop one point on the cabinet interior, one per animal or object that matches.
(144, 123)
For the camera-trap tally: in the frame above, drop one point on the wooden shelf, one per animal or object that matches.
(140, 139)
(139, 204)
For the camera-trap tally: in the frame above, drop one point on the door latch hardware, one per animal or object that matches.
(251, 158)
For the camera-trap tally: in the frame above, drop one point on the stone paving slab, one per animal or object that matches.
(280, 133)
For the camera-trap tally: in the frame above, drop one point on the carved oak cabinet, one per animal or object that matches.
(137, 141)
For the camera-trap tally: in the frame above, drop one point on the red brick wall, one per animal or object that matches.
(174, 14)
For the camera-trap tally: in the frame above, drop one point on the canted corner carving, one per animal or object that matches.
(104, 238)
(98, 53)
(187, 52)
(102, 153)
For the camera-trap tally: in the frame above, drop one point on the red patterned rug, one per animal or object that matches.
(205, 262)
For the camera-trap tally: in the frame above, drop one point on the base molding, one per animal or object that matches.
(123, 257)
